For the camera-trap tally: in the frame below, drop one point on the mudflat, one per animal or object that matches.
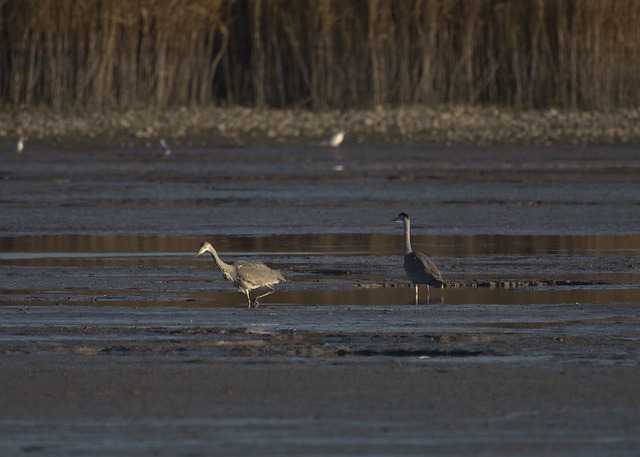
(115, 340)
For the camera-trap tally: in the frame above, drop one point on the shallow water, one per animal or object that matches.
(330, 269)
(284, 191)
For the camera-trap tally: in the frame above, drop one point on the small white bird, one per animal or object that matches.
(20, 145)
(165, 147)
(334, 141)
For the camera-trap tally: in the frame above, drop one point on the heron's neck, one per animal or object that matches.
(222, 265)
(407, 237)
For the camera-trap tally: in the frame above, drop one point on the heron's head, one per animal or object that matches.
(402, 217)
(204, 247)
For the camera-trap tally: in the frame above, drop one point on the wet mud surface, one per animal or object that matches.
(115, 339)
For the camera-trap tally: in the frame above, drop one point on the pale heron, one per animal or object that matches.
(245, 276)
(420, 269)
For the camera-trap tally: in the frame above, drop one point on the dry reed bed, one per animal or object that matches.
(330, 54)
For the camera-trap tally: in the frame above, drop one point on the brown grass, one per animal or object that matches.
(121, 54)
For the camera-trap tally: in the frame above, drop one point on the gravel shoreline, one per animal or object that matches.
(447, 126)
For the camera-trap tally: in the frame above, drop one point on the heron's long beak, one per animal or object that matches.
(397, 219)
(201, 251)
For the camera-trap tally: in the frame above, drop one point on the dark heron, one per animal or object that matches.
(245, 276)
(420, 269)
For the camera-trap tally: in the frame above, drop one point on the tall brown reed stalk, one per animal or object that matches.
(120, 54)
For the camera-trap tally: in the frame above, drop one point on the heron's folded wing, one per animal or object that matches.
(256, 273)
(422, 261)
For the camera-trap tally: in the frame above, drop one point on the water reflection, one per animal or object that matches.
(336, 269)
(376, 244)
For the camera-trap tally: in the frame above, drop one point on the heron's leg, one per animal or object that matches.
(248, 297)
(428, 293)
(255, 300)
(416, 299)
